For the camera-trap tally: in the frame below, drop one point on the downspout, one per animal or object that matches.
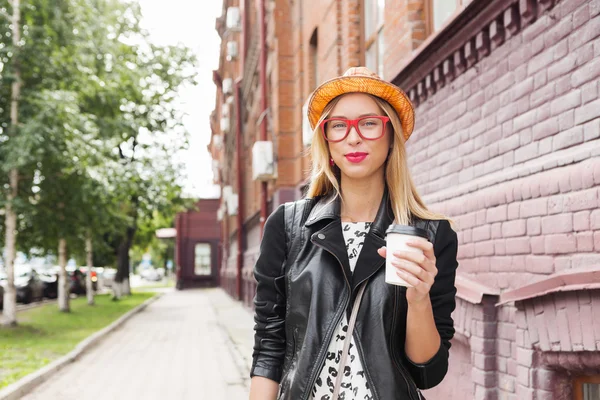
(240, 211)
(239, 150)
(263, 105)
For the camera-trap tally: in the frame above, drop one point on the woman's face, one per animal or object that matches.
(359, 158)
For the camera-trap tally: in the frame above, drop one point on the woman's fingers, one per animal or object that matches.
(409, 267)
(419, 259)
(426, 246)
(417, 284)
(414, 274)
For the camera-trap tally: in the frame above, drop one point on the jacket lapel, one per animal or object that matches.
(369, 261)
(331, 237)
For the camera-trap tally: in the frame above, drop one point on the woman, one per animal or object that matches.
(325, 256)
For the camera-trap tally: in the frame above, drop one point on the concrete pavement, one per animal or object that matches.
(192, 344)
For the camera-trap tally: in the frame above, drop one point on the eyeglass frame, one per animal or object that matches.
(354, 123)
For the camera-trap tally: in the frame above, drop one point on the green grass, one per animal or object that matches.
(45, 334)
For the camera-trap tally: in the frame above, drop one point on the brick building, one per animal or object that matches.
(506, 143)
(198, 245)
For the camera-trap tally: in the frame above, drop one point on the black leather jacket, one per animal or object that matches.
(300, 301)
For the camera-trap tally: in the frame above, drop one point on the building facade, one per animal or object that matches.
(198, 246)
(506, 143)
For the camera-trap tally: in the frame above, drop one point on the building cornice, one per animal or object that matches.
(478, 29)
(472, 291)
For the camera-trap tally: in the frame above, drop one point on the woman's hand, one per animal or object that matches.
(417, 269)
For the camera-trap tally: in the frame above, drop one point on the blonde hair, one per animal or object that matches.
(405, 199)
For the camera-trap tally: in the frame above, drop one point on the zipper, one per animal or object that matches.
(409, 382)
(321, 360)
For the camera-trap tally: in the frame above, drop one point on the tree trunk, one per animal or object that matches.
(63, 282)
(121, 285)
(10, 293)
(88, 278)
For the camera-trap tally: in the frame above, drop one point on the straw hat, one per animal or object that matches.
(362, 80)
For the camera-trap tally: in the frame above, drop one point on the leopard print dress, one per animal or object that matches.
(354, 384)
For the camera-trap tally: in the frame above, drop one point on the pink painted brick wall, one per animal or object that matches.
(510, 149)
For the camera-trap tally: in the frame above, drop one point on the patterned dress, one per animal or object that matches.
(354, 384)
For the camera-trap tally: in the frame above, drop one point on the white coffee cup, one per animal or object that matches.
(396, 238)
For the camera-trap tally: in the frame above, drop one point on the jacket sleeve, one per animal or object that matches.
(269, 301)
(442, 295)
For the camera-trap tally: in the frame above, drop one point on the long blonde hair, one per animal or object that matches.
(405, 199)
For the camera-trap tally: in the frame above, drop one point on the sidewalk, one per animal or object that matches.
(192, 344)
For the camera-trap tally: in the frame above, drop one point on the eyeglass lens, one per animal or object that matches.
(369, 128)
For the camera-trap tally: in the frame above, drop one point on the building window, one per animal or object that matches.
(586, 388)
(202, 259)
(374, 46)
(440, 11)
(314, 60)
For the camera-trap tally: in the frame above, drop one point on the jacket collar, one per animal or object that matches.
(329, 208)
(369, 261)
(326, 207)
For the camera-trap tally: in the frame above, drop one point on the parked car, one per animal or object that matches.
(108, 277)
(150, 274)
(27, 282)
(94, 277)
(50, 282)
(76, 281)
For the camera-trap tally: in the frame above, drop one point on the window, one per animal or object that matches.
(440, 11)
(586, 388)
(202, 259)
(374, 46)
(314, 61)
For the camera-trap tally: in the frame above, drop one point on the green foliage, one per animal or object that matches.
(98, 126)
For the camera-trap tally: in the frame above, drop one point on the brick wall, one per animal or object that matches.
(473, 367)
(507, 143)
(404, 31)
(510, 150)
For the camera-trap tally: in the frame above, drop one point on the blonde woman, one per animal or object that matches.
(328, 326)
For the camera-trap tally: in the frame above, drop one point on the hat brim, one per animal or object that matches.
(362, 84)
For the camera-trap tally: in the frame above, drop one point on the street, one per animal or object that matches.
(193, 344)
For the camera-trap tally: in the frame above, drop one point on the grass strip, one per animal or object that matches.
(45, 334)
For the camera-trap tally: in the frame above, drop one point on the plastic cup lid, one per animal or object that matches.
(407, 230)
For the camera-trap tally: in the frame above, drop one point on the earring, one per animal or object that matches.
(331, 162)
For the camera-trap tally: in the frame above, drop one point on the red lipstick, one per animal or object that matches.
(356, 157)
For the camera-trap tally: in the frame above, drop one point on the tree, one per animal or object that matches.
(91, 152)
(10, 295)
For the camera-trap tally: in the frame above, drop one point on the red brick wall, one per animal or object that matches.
(351, 34)
(198, 226)
(404, 31)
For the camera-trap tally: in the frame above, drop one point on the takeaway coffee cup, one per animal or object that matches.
(396, 238)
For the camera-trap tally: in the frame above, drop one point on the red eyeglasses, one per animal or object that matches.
(368, 128)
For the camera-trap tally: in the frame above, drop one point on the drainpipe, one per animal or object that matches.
(263, 104)
(240, 212)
